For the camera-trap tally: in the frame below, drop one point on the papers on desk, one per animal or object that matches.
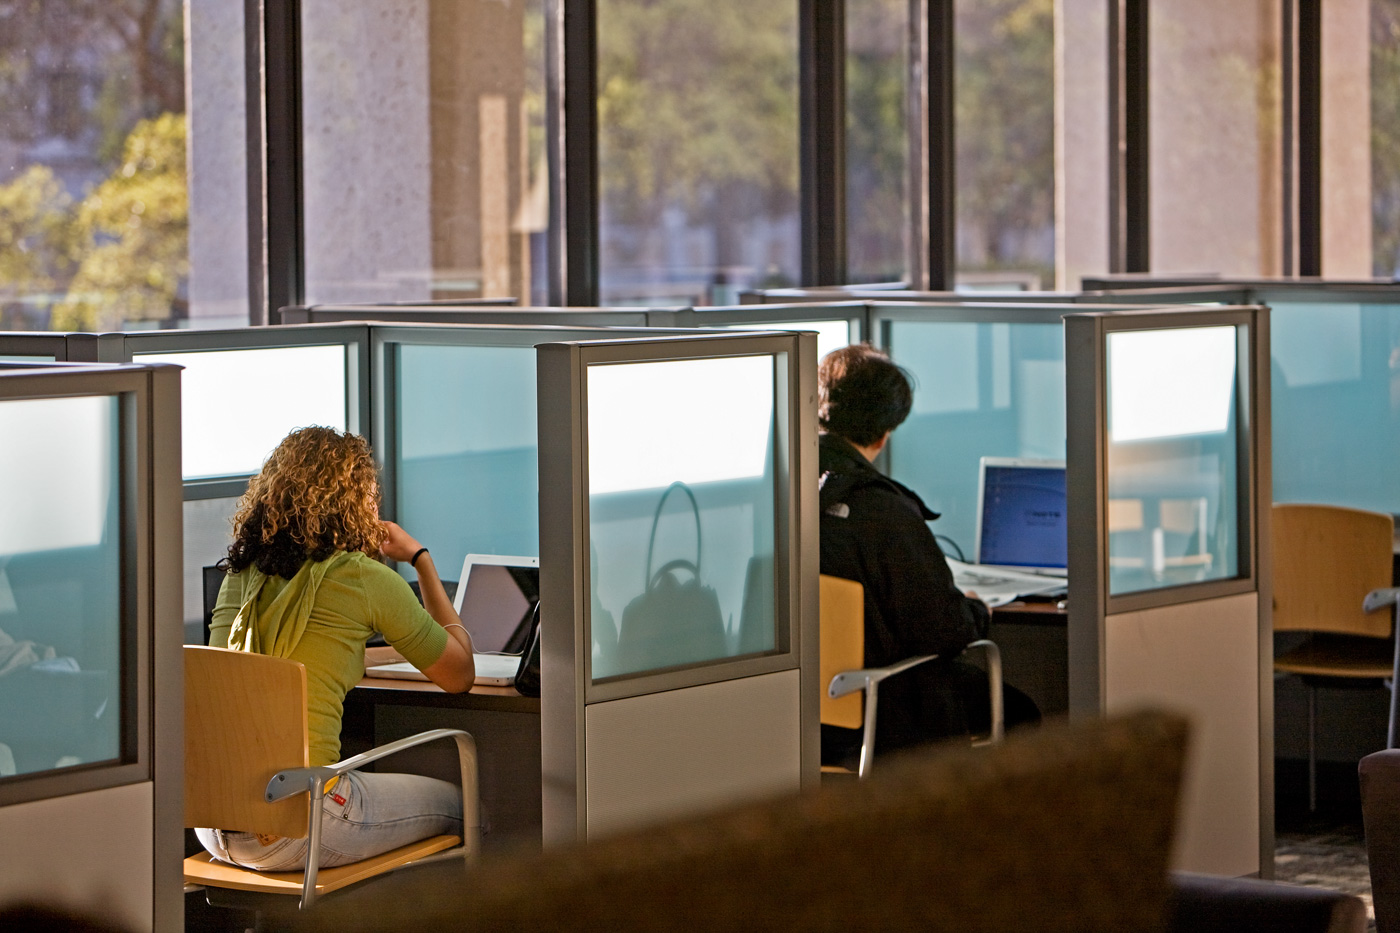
(997, 586)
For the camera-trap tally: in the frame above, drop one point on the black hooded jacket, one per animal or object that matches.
(874, 531)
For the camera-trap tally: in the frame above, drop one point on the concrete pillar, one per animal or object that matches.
(1346, 139)
(367, 143)
(1081, 141)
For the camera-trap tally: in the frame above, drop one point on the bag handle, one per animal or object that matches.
(656, 519)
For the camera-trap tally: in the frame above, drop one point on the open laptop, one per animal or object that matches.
(496, 601)
(1022, 542)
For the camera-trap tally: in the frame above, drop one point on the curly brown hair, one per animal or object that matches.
(318, 493)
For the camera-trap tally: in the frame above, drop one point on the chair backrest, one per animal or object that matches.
(1326, 559)
(842, 647)
(245, 720)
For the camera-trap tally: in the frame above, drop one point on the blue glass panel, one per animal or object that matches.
(60, 583)
(681, 511)
(1336, 404)
(981, 390)
(468, 455)
(1173, 450)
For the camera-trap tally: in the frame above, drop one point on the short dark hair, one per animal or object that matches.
(862, 394)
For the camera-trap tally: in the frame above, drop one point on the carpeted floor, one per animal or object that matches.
(1333, 858)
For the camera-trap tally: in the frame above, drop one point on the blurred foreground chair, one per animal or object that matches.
(843, 670)
(1066, 829)
(1332, 571)
(1380, 809)
(246, 757)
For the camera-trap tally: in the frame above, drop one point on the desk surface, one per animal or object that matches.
(423, 693)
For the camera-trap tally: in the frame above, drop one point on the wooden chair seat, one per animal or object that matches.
(1321, 656)
(206, 870)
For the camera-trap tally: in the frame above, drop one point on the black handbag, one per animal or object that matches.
(676, 620)
(527, 675)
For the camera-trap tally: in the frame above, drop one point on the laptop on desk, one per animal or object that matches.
(496, 602)
(1022, 544)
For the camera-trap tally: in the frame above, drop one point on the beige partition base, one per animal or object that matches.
(667, 755)
(91, 852)
(1202, 659)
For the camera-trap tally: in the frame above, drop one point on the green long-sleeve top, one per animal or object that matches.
(322, 617)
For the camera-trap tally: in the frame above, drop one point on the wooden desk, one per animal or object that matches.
(505, 724)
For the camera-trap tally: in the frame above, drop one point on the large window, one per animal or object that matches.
(94, 203)
(1005, 122)
(424, 152)
(877, 140)
(698, 149)
(1216, 137)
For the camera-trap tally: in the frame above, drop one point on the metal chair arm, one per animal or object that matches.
(295, 781)
(851, 681)
(1379, 599)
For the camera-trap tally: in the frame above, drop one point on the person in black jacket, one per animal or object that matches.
(874, 531)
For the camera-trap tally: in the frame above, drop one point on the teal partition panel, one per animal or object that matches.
(690, 523)
(1336, 385)
(1172, 457)
(60, 583)
(982, 389)
(467, 457)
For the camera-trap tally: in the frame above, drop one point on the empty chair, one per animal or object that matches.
(1327, 560)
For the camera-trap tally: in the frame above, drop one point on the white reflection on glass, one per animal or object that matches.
(1170, 383)
(690, 421)
(54, 482)
(831, 335)
(237, 405)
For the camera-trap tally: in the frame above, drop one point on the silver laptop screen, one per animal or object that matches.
(496, 601)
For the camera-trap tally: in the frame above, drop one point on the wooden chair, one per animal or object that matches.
(1332, 571)
(246, 769)
(843, 669)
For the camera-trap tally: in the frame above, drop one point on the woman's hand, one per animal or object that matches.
(398, 544)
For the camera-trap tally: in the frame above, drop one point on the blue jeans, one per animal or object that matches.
(363, 815)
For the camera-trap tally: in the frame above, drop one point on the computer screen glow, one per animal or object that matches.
(692, 421)
(56, 465)
(237, 405)
(1170, 383)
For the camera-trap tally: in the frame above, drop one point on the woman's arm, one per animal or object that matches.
(455, 670)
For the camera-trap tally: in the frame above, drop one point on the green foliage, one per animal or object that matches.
(134, 230)
(36, 248)
(1005, 127)
(695, 96)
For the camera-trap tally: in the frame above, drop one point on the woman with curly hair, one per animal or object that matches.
(303, 583)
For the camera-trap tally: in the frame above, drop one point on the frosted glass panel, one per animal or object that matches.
(980, 390)
(1336, 403)
(468, 456)
(60, 583)
(681, 511)
(1173, 511)
(831, 335)
(237, 405)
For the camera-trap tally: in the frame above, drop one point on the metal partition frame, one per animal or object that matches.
(567, 687)
(438, 314)
(1091, 606)
(152, 682)
(41, 344)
